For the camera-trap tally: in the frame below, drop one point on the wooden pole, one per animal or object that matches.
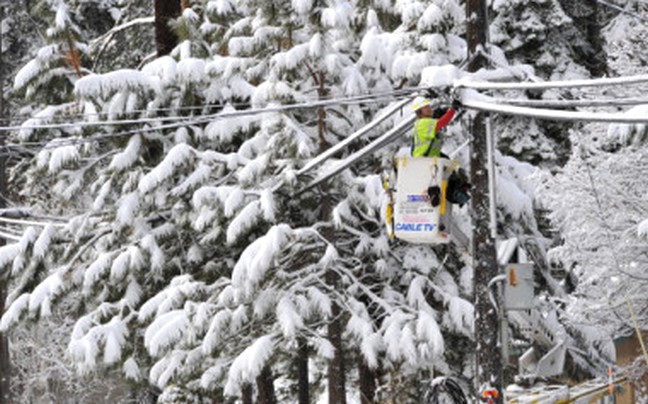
(487, 353)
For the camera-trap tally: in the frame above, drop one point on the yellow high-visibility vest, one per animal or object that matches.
(426, 143)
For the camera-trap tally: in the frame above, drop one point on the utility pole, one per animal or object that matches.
(5, 363)
(487, 352)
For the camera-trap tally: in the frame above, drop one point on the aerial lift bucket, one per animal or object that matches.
(415, 218)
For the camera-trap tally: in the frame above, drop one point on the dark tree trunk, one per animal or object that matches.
(367, 383)
(588, 45)
(489, 360)
(265, 386)
(336, 369)
(598, 60)
(247, 394)
(5, 363)
(303, 385)
(165, 38)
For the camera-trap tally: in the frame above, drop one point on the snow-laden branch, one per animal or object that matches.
(114, 30)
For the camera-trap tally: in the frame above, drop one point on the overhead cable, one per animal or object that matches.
(377, 144)
(554, 115)
(335, 149)
(572, 103)
(485, 85)
(228, 114)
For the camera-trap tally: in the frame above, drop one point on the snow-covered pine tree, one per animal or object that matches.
(598, 205)
(172, 248)
(50, 76)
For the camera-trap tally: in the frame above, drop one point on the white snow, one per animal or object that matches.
(62, 19)
(244, 221)
(178, 156)
(224, 130)
(41, 297)
(440, 76)
(8, 253)
(191, 71)
(62, 156)
(120, 266)
(95, 271)
(157, 259)
(27, 73)
(302, 7)
(259, 257)
(642, 229)
(115, 334)
(164, 68)
(105, 85)
(126, 158)
(131, 370)
(217, 328)
(459, 316)
(248, 365)
(129, 207)
(354, 83)
(268, 206)
(431, 18)
(289, 320)
(428, 332)
(233, 202)
(165, 330)
(14, 312)
(200, 175)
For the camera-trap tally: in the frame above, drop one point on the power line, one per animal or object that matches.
(614, 81)
(286, 107)
(573, 103)
(25, 117)
(552, 114)
(195, 120)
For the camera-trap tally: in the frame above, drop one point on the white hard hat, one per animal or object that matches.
(420, 102)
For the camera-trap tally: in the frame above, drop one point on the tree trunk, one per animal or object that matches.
(336, 369)
(265, 386)
(247, 394)
(598, 60)
(367, 383)
(587, 24)
(165, 38)
(488, 357)
(303, 385)
(5, 363)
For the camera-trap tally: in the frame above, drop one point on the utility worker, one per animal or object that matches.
(427, 143)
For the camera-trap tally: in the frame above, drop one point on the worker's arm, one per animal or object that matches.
(445, 119)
